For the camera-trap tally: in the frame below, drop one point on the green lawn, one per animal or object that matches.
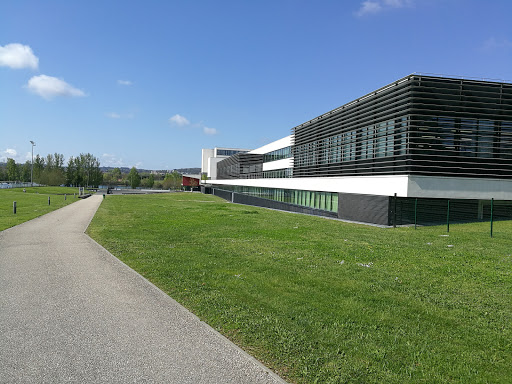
(322, 301)
(32, 203)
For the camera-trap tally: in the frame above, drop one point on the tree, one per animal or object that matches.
(147, 181)
(53, 173)
(38, 168)
(134, 178)
(83, 171)
(12, 170)
(78, 175)
(25, 171)
(71, 172)
(116, 174)
(112, 177)
(96, 174)
(151, 181)
(107, 179)
(172, 181)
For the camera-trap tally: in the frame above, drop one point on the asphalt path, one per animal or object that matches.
(70, 312)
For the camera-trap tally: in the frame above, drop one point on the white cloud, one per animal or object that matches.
(182, 121)
(49, 87)
(124, 82)
(9, 152)
(492, 44)
(13, 154)
(179, 120)
(397, 3)
(369, 7)
(18, 56)
(114, 115)
(209, 131)
(109, 160)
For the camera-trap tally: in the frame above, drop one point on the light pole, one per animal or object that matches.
(32, 168)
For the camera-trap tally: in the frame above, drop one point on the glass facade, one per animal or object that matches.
(278, 173)
(419, 125)
(325, 201)
(228, 152)
(463, 137)
(385, 139)
(279, 154)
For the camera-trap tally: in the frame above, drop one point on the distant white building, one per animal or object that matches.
(210, 158)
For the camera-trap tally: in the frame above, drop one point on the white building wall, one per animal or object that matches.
(403, 186)
(371, 185)
(459, 188)
(212, 166)
(205, 155)
(275, 145)
(278, 164)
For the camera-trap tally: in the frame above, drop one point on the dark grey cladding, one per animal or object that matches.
(419, 125)
(241, 166)
(364, 208)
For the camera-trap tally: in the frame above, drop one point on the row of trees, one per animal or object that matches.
(15, 172)
(134, 179)
(83, 170)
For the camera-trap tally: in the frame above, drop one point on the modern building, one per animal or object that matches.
(211, 157)
(421, 137)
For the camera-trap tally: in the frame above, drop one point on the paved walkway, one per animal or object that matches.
(70, 312)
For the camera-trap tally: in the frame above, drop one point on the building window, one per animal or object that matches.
(228, 152)
(279, 154)
(278, 173)
(325, 201)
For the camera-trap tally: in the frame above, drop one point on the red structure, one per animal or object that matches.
(190, 182)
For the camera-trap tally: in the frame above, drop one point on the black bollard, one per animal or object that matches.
(14, 207)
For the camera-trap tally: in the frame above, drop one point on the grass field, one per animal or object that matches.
(32, 203)
(322, 301)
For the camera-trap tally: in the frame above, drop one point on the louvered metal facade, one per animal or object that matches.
(419, 125)
(241, 166)
(421, 141)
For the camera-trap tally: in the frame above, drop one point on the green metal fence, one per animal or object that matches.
(426, 212)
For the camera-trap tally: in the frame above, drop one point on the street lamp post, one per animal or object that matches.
(32, 168)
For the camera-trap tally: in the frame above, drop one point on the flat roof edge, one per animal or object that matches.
(398, 82)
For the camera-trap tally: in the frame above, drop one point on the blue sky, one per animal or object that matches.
(149, 83)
